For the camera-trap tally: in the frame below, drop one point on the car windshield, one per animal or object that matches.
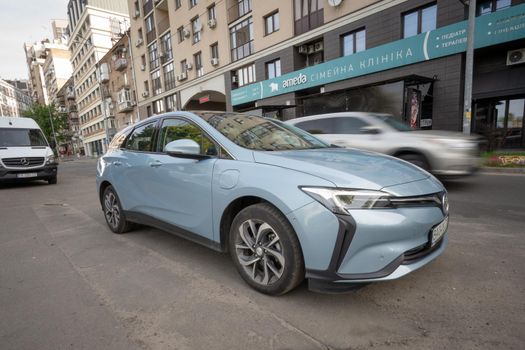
(10, 137)
(261, 134)
(396, 124)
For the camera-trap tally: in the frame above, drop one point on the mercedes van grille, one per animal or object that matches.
(23, 162)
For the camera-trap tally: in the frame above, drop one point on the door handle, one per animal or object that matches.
(117, 163)
(155, 164)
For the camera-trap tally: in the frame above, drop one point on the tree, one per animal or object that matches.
(43, 114)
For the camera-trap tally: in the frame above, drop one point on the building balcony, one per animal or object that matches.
(121, 64)
(125, 106)
(72, 109)
(148, 6)
(238, 10)
(104, 73)
(70, 95)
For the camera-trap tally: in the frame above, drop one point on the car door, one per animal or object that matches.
(182, 187)
(131, 166)
(354, 131)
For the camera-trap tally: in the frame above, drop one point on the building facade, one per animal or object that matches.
(14, 99)
(56, 68)
(66, 104)
(295, 58)
(94, 26)
(118, 86)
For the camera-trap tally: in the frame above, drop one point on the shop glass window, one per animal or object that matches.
(419, 21)
(158, 106)
(171, 103)
(488, 6)
(141, 138)
(271, 23)
(273, 69)
(353, 42)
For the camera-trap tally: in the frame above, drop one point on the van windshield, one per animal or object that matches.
(10, 137)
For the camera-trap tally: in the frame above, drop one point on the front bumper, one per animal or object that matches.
(42, 173)
(461, 164)
(366, 246)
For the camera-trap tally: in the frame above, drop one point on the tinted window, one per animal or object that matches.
(10, 137)
(142, 138)
(118, 140)
(177, 129)
(318, 126)
(349, 125)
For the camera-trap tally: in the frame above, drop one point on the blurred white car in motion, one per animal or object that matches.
(443, 153)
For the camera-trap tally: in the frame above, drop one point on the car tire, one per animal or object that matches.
(113, 213)
(52, 180)
(265, 250)
(416, 159)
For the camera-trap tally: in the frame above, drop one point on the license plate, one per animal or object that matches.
(438, 231)
(24, 175)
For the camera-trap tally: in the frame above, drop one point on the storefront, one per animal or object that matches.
(419, 80)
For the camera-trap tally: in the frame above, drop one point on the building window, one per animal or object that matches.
(150, 29)
(140, 35)
(169, 76)
(196, 27)
(153, 56)
(273, 69)
(158, 106)
(146, 86)
(246, 75)
(197, 58)
(183, 67)
(193, 3)
(241, 38)
(419, 21)
(308, 15)
(353, 42)
(488, 6)
(166, 47)
(271, 23)
(180, 33)
(214, 49)
(178, 4)
(155, 83)
(171, 103)
(211, 12)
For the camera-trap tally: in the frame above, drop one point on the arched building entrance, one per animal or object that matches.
(206, 100)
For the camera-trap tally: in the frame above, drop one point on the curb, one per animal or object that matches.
(488, 169)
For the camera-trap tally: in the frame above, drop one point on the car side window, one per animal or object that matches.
(141, 139)
(349, 125)
(178, 129)
(318, 126)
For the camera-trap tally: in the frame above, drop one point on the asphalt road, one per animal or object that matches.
(67, 282)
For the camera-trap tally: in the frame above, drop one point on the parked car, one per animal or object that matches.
(444, 153)
(285, 204)
(24, 152)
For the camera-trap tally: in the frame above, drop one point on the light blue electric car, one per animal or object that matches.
(286, 205)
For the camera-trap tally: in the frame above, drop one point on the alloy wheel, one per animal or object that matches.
(260, 252)
(111, 209)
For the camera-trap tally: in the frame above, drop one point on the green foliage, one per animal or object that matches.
(43, 114)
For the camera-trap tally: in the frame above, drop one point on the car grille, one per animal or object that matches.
(23, 162)
(413, 255)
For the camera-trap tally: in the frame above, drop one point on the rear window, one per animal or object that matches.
(12, 137)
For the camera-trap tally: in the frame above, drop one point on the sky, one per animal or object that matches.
(24, 21)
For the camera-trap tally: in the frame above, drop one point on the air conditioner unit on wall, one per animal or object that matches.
(214, 61)
(143, 67)
(139, 42)
(145, 94)
(515, 57)
(318, 46)
(303, 49)
(182, 76)
(189, 66)
(186, 33)
(212, 23)
(311, 49)
(136, 14)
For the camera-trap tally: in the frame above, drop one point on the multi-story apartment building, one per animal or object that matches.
(57, 67)
(118, 86)
(66, 104)
(14, 99)
(302, 57)
(94, 26)
(35, 58)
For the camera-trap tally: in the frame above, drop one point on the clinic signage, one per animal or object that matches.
(495, 28)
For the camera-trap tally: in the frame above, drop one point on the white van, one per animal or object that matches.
(24, 151)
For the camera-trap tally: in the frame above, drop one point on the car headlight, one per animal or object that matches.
(340, 201)
(50, 159)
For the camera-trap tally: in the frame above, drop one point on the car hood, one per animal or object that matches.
(348, 168)
(15, 152)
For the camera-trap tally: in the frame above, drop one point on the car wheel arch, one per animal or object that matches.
(404, 151)
(102, 188)
(233, 209)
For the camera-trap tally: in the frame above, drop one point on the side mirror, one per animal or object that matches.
(371, 130)
(184, 148)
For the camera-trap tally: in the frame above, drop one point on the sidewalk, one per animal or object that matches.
(488, 169)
